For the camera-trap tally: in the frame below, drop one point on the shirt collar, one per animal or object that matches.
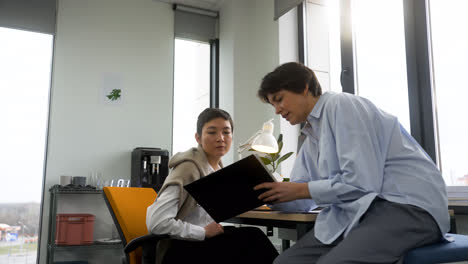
(318, 107)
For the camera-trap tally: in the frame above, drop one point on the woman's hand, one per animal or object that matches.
(213, 229)
(280, 192)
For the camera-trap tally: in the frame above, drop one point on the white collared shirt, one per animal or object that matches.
(160, 217)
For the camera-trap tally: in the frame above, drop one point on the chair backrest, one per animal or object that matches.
(128, 209)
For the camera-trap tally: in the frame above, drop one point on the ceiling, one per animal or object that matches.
(214, 5)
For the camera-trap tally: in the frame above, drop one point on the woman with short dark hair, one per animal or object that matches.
(197, 238)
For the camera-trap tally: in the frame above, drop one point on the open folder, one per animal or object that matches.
(229, 192)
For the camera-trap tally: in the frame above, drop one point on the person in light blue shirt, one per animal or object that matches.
(380, 192)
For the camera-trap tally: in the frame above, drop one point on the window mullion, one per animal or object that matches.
(347, 59)
(419, 75)
(214, 73)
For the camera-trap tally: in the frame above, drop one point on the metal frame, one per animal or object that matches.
(55, 191)
(214, 73)
(301, 32)
(347, 48)
(419, 68)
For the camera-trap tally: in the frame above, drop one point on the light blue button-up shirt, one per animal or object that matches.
(355, 152)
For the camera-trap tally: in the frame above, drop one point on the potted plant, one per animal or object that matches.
(273, 160)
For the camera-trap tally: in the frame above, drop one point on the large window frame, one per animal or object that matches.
(214, 73)
(33, 106)
(186, 124)
(28, 15)
(418, 69)
(419, 72)
(198, 25)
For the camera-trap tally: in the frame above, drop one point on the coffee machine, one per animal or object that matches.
(149, 167)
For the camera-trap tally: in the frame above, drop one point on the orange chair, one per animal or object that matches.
(128, 209)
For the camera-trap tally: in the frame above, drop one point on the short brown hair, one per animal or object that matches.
(209, 114)
(291, 76)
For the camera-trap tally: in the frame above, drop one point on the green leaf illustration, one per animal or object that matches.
(114, 94)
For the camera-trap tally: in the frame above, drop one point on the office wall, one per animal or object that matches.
(288, 51)
(227, 27)
(248, 50)
(127, 44)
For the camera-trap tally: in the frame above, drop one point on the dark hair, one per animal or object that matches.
(291, 76)
(209, 114)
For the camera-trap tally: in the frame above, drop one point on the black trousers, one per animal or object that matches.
(241, 245)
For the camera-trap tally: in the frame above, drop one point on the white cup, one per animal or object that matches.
(123, 183)
(120, 183)
(65, 180)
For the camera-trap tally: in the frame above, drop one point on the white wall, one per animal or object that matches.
(226, 64)
(248, 50)
(130, 41)
(288, 51)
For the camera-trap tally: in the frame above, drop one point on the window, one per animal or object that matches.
(191, 90)
(449, 42)
(378, 49)
(408, 57)
(323, 43)
(380, 55)
(25, 70)
(196, 71)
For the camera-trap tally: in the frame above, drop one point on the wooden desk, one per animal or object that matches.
(300, 223)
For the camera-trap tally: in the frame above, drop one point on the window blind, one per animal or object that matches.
(30, 15)
(195, 24)
(283, 6)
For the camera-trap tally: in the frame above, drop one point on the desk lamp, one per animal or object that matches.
(262, 141)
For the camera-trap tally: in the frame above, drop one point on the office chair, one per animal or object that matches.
(127, 206)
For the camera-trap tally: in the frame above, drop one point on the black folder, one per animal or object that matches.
(229, 192)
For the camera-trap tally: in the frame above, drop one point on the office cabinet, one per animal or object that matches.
(86, 230)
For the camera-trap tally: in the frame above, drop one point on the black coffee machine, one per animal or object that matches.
(149, 167)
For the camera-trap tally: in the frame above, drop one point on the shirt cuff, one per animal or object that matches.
(198, 233)
(321, 192)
